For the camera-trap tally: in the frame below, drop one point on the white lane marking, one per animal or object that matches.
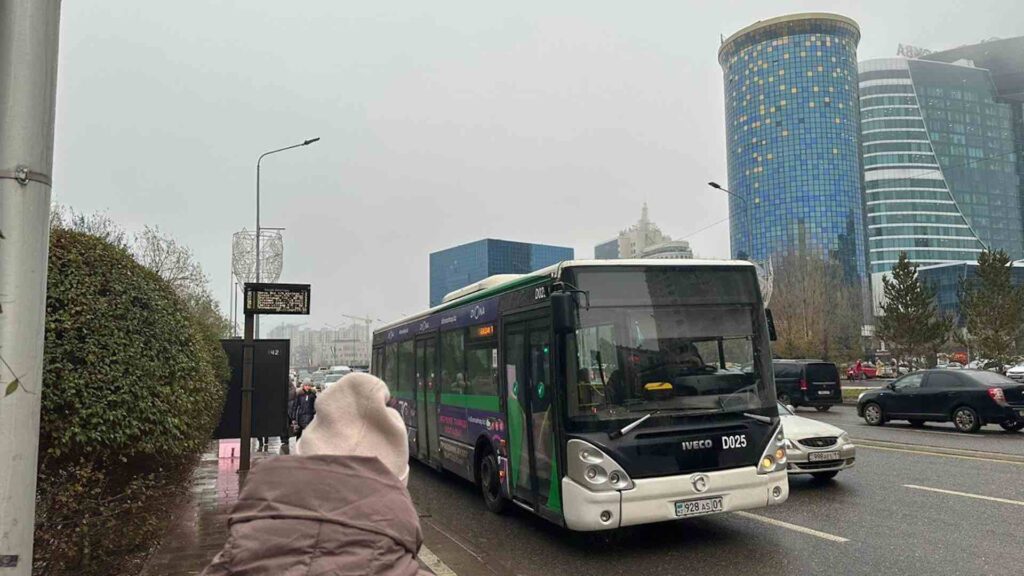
(930, 453)
(434, 563)
(794, 527)
(966, 494)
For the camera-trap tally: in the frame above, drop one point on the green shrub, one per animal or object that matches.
(132, 389)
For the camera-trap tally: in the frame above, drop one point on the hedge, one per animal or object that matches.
(133, 385)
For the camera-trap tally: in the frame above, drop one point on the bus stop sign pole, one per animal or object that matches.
(248, 347)
(262, 298)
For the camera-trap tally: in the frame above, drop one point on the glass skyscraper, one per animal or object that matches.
(792, 131)
(939, 165)
(460, 266)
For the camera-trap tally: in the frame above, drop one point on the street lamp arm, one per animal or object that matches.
(717, 186)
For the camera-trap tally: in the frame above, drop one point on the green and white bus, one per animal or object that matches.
(597, 394)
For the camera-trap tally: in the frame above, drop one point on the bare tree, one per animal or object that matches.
(174, 262)
(97, 224)
(816, 309)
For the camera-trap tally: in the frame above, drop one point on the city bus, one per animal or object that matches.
(596, 394)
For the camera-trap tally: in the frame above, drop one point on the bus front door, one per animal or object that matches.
(531, 427)
(427, 388)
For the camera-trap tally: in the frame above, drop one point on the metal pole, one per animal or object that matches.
(29, 37)
(258, 233)
(246, 421)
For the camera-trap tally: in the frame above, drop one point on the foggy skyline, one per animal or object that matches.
(441, 124)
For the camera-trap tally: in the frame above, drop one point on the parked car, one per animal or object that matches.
(1016, 373)
(968, 398)
(815, 448)
(807, 383)
(866, 371)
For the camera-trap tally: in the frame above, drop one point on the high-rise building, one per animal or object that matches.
(939, 169)
(941, 155)
(459, 266)
(607, 250)
(1004, 60)
(642, 240)
(793, 138)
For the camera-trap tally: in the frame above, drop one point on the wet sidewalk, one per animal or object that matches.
(200, 525)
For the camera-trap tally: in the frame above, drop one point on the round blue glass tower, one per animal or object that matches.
(793, 135)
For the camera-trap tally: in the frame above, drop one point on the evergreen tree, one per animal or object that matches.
(911, 324)
(994, 310)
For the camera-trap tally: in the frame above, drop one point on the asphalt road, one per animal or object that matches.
(900, 510)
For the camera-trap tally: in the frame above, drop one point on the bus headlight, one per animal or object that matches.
(774, 456)
(591, 468)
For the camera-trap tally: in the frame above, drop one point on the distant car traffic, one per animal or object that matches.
(815, 448)
(807, 383)
(1016, 373)
(866, 371)
(969, 399)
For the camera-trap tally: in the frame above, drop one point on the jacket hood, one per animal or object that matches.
(355, 491)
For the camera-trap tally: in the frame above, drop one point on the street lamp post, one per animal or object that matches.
(750, 218)
(258, 161)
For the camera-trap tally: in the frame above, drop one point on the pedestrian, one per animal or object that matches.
(304, 409)
(288, 422)
(858, 370)
(351, 514)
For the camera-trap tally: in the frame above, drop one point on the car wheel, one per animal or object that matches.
(873, 414)
(825, 476)
(490, 483)
(1012, 425)
(965, 419)
(822, 408)
(917, 423)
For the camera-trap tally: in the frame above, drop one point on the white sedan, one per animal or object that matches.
(814, 447)
(1016, 373)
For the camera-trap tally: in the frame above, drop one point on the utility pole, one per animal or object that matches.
(29, 36)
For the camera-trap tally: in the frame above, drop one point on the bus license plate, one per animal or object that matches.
(822, 456)
(699, 507)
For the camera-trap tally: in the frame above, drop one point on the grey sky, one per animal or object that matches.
(442, 123)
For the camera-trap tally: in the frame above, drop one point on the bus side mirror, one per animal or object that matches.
(772, 334)
(563, 312)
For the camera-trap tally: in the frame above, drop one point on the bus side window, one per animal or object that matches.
(406, 368)
(390, 367)
(453, 369)
(481, 371)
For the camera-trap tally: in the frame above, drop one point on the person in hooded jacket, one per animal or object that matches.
(352, 513)
(286, 433)
(304, 408)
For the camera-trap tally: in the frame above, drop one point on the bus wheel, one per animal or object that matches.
(490, 483)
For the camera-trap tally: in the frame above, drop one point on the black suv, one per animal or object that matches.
(807, 383)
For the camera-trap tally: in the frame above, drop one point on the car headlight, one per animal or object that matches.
(591, 468)
(844, 438)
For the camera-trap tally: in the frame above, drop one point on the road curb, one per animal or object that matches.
(939, 450)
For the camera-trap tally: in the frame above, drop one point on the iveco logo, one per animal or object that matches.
(700, 482)
(696, 444)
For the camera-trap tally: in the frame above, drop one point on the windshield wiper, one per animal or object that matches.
(631, 426)
(759, 418)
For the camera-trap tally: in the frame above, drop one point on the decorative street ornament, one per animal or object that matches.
(243, 255)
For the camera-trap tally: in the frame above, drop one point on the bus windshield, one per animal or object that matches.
(663, 343)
